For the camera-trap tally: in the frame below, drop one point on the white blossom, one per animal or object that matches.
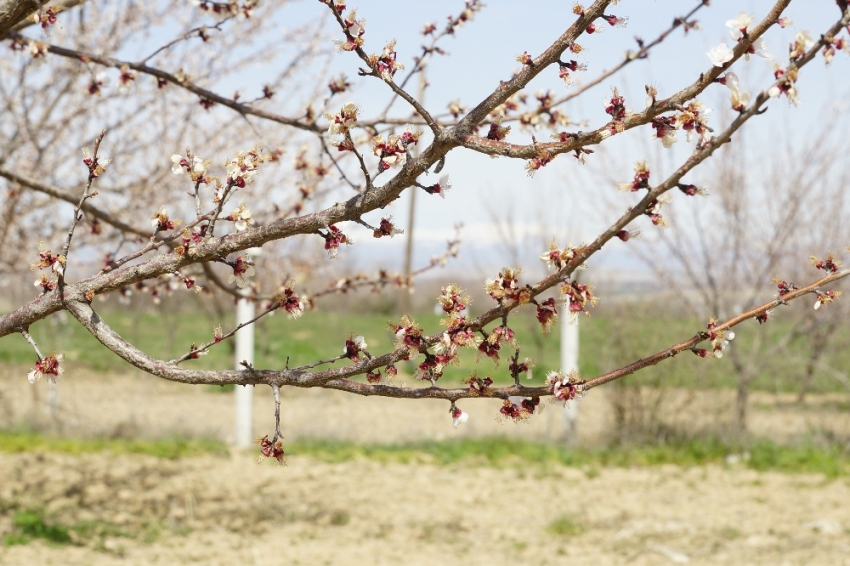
(720, 55)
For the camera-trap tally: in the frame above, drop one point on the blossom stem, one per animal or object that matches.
(24, 332)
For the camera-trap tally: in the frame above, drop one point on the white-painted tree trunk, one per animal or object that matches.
(569, 362)
(244, 393)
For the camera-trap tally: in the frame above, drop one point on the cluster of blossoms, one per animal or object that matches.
(557, 258)
(492, 345)
(241, 217)
(694, 119)
(802, 43)
(452, 300)
(386, 64)
(478, 386)
(546, 99)
(38, 49)
(187, 239)
(46, 259)
(653, 210)
(825, 297)
(518, 413)
(46, 17)
(546, 314)
(286, 299)
(738, 99)
(565, 68)
(354, 347)
(517, 367)
(344, 120)
(719, 340)
(161, 222)
(45, 283)
(497, 132)
(354, 30)
(640, 180)
(195, 166)
(96, 165)
(489, 349)
(47, 367)
(830, 264)
(615, 106)
(456, 336)
(242, 270)
(432, 368)
(334, 239)
(665, 130)
(408, 336)
(565, 388)
(268, 449)
(506, 287)
(393, 151)
(829, 50)
(786, 85)
(578, 296)
(721, 54)
(386, 228)
(784, 286)
(243, 168)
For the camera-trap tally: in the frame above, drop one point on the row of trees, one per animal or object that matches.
(339, 165)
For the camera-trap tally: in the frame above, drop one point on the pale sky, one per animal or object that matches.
(483, 52)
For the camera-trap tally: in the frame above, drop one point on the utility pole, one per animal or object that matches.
(404, 300)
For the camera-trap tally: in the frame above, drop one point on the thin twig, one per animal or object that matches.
(93, 168)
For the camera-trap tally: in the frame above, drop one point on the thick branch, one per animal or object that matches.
(12, 12)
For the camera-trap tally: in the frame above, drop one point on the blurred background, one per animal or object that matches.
(738, 460)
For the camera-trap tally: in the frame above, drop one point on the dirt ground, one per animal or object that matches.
(230, 510)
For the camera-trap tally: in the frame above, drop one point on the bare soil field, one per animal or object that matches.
(231, 510)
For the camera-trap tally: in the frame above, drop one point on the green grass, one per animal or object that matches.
(32, 525)
(764, 454)
(609, 339)
(565, 526)
(170, 448)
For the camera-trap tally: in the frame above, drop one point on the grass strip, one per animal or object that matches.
(760, 454)
(170, 447)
